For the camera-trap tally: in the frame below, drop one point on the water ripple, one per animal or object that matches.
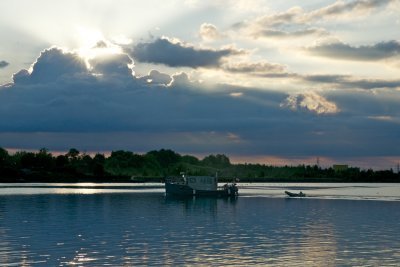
(146, 229)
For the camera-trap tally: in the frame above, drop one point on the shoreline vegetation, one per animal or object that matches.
(154, 166)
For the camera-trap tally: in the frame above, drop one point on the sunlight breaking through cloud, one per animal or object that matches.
(244, 77)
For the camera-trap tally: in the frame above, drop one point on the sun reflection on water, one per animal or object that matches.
(81, 226)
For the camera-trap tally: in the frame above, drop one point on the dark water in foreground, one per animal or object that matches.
(147, 229)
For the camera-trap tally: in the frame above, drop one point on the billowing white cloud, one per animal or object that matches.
(312, 102)
(209, 32)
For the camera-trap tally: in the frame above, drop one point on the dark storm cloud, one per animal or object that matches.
(3, 64)
(21, 76)
(108, 108)
(115, 67)
(379, 51)
(163, 51)
(54, 64)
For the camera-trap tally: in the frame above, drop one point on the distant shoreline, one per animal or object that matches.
(220, 180)
(154, 166)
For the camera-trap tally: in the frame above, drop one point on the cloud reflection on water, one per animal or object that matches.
(148, 229)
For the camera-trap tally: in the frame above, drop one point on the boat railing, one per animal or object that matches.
(176, 180)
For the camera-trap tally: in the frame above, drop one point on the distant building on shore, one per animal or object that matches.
(340, 167)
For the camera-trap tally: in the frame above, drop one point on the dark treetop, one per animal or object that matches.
(154, 166)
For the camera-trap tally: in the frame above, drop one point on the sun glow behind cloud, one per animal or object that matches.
(93, 45)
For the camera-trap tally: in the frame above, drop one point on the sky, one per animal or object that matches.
(271, 82)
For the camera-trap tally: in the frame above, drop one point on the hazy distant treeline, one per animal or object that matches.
(122, 166)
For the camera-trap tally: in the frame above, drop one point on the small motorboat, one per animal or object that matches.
(290, 194)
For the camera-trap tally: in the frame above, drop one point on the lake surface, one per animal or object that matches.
(136, 225)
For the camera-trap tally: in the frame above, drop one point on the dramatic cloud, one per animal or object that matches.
(379, 51)
(3, 64)
(117, 67)
(312, 102)
(106, 107)
(291, 79)
(177, 54)
(53, 64)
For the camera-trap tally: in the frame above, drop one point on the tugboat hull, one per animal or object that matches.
(290, 194)
(173, 189)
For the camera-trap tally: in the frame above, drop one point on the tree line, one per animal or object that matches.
(154, 166)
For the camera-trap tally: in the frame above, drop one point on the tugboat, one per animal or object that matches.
(290, 194)
(200, 186)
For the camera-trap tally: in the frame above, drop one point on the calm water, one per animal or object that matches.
(125, 225)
